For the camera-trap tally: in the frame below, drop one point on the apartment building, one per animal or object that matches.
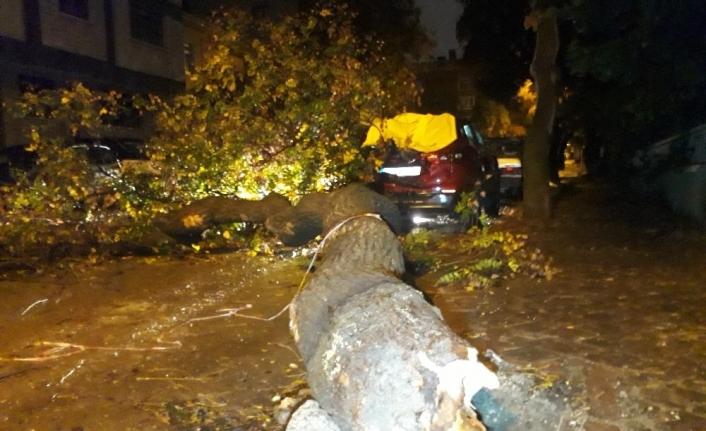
(133, 46)
(448, 86)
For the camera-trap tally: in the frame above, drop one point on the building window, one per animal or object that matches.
(146, 23)
(189, 58)
(465, 103)
(77, 8)
(465, 85)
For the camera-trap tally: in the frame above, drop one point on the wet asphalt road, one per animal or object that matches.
(623, 324)
(142, 344)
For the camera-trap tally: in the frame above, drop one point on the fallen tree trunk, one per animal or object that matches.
(378, 356)
(198, 216)
(357, 199)
(300, 224)
(293, 225)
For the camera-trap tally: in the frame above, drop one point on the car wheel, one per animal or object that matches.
(492, 206)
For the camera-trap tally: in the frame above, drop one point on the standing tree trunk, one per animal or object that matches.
(543, 20)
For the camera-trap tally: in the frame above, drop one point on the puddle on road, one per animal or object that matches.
(120, 347)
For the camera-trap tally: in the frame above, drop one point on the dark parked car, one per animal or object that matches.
(509, 154)
(112, 156)
(427, 186)
(109, 156)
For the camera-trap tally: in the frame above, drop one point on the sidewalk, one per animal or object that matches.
(622, 325)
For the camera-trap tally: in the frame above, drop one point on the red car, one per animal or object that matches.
(427, 186)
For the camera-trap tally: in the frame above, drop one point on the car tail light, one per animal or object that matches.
(431, 157)
(442, 157)
(511, 170)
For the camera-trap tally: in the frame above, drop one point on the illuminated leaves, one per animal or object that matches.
(64, 198)
(194, 220)
(477, 259)
(278, 110)
(275, 107)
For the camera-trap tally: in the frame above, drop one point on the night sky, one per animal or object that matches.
(439, 17)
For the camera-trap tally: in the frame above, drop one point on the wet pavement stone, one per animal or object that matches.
(602, 391)
(598, 426)
(623, 324)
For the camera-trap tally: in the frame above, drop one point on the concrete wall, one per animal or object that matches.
(69, 33)
(165, 61)
(11, 129)
(11, 22)
(196, 42)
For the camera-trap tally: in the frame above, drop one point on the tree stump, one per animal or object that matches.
(357, 199)
(378, 356)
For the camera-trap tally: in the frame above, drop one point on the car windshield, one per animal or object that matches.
(101, 155)
(128, 149)
(505, 147)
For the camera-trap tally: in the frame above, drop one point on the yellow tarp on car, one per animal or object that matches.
(421, 132)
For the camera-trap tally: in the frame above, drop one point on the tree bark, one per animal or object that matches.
(378, 356)
(294, 226)
(536, 201)
(191, 220)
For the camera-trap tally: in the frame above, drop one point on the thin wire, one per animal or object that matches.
(234, 311)
(59, 349)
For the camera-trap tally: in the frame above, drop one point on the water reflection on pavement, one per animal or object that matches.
(622, 323)
(115, 347)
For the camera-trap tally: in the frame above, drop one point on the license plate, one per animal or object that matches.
(402, 171)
